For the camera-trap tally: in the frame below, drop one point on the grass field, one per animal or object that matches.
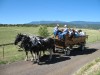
(92, 68)
(8, 34)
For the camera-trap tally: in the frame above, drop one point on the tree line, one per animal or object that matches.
(87, 26)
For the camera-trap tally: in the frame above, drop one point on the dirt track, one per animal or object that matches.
(60, 65)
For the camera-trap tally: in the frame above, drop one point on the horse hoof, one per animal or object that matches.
(32, 59)
(26, 60)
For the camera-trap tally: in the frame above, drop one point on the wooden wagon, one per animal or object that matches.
(69, 43)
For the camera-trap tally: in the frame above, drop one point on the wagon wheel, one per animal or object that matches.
(67, 51)
(82, 47)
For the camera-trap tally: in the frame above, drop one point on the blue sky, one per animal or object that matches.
(24, 11)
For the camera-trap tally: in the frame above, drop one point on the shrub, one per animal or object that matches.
(43, 31)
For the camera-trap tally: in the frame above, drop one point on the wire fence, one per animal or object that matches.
(6, 44)
(3, 45)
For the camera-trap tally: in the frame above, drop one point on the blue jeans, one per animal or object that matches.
(57, 33)
(62, 35)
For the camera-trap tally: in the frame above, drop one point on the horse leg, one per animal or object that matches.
(32, 55)
(44, 52)
(26, 59)
(50, 57)
(38, 56)
(54, 49)
(35, 57)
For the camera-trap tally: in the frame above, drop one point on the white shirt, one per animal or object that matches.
(65, 30)
(82, 33)
(70, 32)
(55, 29)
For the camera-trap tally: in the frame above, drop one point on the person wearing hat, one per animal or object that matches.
(65, 28)
(56, 30)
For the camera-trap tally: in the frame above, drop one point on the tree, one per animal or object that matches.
(43, 31)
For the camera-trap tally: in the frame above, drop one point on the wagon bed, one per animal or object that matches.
(68, 43)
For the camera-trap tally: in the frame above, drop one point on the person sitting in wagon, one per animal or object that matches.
(56, 30)
(76, 34)
(81, 33)
(65, 31)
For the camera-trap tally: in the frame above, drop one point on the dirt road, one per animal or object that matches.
(60, 65)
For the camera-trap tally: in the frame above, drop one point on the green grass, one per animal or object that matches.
(94, 35)
(11, 54)
(87, 69)
(98, 73)
(8, 34)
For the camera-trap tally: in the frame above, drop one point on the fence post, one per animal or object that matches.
(97, 37)
(3, 51)
(2, 45)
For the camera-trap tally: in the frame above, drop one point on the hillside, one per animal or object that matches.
(47, 22)
(63, 22)
(77, 24)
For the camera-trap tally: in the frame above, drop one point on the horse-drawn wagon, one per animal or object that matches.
(68, 43)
